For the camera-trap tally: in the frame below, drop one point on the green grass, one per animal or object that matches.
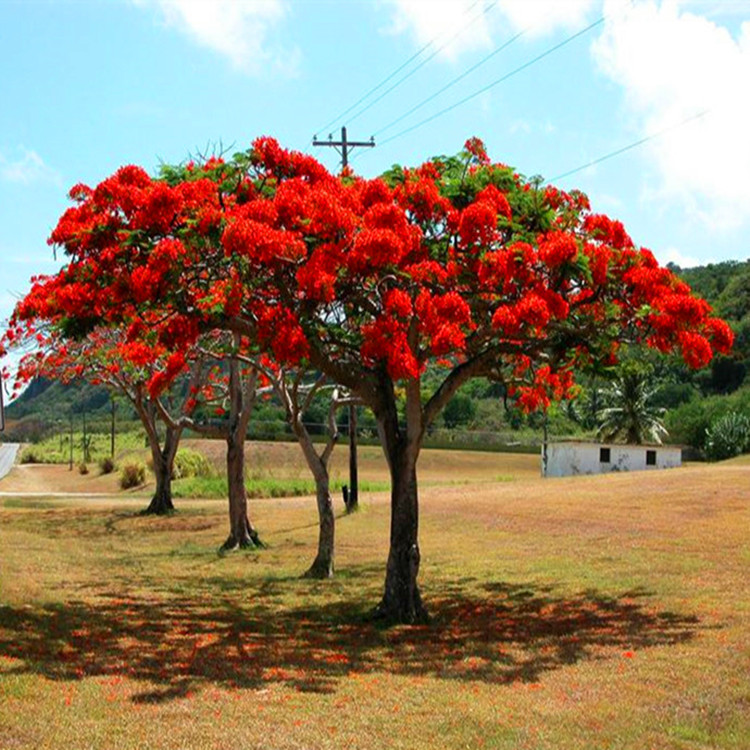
(605, 612)
(261, 487)
(56, 449)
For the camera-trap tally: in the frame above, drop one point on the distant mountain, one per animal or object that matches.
(49, 400)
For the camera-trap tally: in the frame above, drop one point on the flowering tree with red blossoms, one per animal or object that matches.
(459, 263)
(104, 357)
(131, 359)
(237, 385)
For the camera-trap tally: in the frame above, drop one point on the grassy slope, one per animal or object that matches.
(273, 469)
(595, 612)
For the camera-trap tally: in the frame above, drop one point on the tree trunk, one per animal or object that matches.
(402, 602)
(242, 534)
(322, 566)
(163, 457)
(161, 502)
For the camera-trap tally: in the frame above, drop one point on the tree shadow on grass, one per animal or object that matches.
(177, 644)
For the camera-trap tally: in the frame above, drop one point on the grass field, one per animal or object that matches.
(272, 468)
(592, 612)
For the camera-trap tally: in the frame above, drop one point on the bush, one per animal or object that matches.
(460, 410)
(83, 468)
(29, 456)
(728, 436)
(106, 465)
(190, 463)
(27, 431)
(690, 422)
(132, 475)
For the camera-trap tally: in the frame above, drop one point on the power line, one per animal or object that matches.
(452, 83)
(630, 146)
(496, 82)
(375, 88)
(392, 75)
(424, 62)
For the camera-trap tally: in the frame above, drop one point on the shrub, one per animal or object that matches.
(728, 436)
(29, 456)
(27, 431)
(83, 468)
(190, 463)
(132, 475)
(689, 422)
(106, 465)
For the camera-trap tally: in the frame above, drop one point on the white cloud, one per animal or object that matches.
(674, 255)
(459, 26)
(540, 17)
(456, 26)
(672, 65)
(27, 168)
(237, 29)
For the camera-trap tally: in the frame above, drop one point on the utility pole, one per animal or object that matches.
(112, 434)
(353, 503)
(352, 497)
(84, 440)
(70, 466)
(344, 145)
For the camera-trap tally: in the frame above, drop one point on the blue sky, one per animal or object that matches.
(90, 85)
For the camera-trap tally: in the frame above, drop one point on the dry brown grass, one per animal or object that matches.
(282, 460)
(56, 478)
(594, 612)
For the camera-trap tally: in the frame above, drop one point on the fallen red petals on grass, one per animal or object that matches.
(336, 659)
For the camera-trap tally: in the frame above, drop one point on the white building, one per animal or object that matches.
(571, 458)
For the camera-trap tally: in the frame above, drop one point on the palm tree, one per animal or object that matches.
(630, 413)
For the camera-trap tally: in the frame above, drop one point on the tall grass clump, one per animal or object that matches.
(132, 475)
(30, 456)
(728, 436)
(106, 465)
(191, 463)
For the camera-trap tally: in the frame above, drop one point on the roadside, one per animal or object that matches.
(52, 479)
(8, 452)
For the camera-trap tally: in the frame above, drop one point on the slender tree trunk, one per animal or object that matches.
(322, 566)
(242, 533)
(402, 602)
(163, 458)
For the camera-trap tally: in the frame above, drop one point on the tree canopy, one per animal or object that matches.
(460, 262)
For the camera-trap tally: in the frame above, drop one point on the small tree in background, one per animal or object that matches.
(630, 414)
(119, 359)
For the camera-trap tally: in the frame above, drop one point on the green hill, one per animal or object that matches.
(49, 401)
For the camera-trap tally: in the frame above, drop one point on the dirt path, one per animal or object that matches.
(51, 480)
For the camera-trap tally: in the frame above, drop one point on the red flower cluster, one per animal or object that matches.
(422, 264)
